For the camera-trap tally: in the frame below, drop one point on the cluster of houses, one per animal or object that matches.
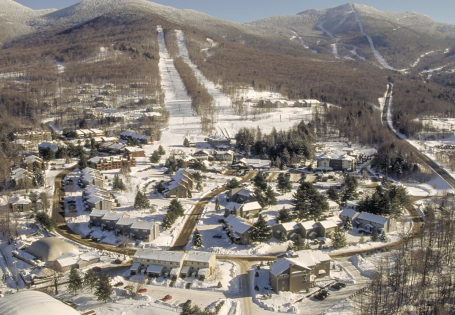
(157, 263)
(120, 223)
(89, 133)
(242, 202)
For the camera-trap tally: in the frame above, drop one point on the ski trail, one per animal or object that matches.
(354, 52)
(303, 41)
(223, 102)
(182, 120)
(328, 33)
(376, 53)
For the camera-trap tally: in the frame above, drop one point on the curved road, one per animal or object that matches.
(193, 218)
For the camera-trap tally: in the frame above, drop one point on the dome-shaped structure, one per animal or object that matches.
(33, 302)
(50, 248)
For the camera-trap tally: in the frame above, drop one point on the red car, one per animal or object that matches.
(143, 290)
(166, 298)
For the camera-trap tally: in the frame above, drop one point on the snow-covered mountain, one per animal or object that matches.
(353, 31)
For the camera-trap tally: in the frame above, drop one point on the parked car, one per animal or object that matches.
(143, 290)
(166, 298)
(217, 236)
(339, 285)
(322, 295)
(96, 269)
(118, 284)
(128, 287)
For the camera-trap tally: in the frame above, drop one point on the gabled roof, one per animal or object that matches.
(159, 255)
(98, 213)
(238, 225)
(113, 216)
(290, 226)
(305, 259)
(309, 225)
(349, 213)
(143, 225)
(251, 206)
(372, 218)
(197, 256)
(328, 224)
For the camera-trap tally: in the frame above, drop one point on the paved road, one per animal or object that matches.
(425, 160)
(193, 217)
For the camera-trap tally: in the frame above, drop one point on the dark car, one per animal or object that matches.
(118, 284)
(217, 236)
(322, 295)
(339, 285)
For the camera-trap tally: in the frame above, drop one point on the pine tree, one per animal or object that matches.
(284, 184)
(104, 289)
(233, 183)
(186, 143)
(161, 150)
(261, 232)
(298, 244)
(90, 279)
(117, 183)
(176, 207)
(270, 198)
(167, 221)
(362, 239)
(283, 238)
(374, 235)
(197, 239)
(141, 201)
(155, 157)
(75, 281)
(259, 182)
(339, 240)
(332, 193)
(383, 237)
(284, 216)
(348, 224)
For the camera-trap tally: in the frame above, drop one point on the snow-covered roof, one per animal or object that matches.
(238, 225)
(98, 213)
(251, 206)
(50, 248)
(135, 266)
(197, 256)
(143, 225)
(328, 224)
(335, 156)
(33, 302)
(68, 259)
(94, 200)
(90, 255)
(113, 216)
(19, 200)
(231, 205)
(126, 221)
(349, 213)
(372, 218)
(309, 225)
(31, 159)
(159, 255)
(304, 259)
(154, 268)
(290, 226)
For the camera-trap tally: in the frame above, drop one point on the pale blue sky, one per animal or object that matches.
(242, 11)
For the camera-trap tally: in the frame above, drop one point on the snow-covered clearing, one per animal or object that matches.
(182, 120)
(305, 45)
